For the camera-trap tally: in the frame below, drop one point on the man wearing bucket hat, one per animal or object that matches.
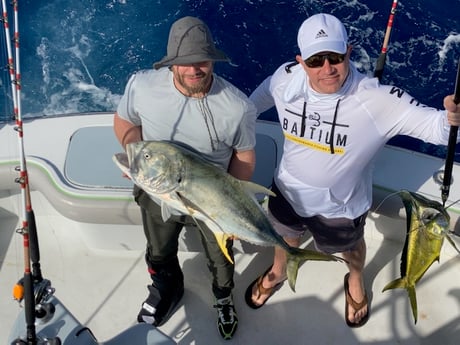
(334, 119)
(187, 103)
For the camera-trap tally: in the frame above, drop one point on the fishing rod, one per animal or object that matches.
(446, 181)
(33, 245)
(378, 72)
(34, 251)
(32, 288)
(380, 64)
(24, 289)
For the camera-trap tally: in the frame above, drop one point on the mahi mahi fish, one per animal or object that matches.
(427, 226)
(180, 180)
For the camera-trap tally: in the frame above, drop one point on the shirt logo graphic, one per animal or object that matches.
(314, 132)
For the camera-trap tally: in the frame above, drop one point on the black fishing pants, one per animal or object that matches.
(163, 243)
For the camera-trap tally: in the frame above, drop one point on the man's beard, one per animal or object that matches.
(201, 87)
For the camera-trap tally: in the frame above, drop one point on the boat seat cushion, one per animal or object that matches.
(89, 162)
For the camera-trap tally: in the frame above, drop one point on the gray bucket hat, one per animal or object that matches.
(190, 41)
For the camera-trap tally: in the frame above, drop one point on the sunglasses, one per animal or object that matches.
(318, 60)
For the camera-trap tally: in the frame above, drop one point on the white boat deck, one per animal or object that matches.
(99, 274)
(104, 289)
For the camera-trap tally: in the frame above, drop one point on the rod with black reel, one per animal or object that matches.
(447, 178)
(25, 287)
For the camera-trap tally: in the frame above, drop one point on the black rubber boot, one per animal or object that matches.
(165, 292)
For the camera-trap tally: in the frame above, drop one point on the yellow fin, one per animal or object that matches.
(222, 241)
(221, 237)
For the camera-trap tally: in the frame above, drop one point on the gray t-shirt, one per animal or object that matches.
(215, 125)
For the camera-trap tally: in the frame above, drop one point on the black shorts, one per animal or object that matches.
(331, 235)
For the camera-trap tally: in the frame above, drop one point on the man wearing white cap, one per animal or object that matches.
(187, 103)
(334, 120)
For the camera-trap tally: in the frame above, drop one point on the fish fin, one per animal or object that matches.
(307, 254)
(399, 283)
(408, 202)
(451, 241)
(292, 269)
(121, 160)
(295, 256)
(165, 211)
(413, 301)
(255, 188)
(222, 239)
(220, 236)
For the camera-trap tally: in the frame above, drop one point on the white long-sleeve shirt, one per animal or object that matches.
(332, 139)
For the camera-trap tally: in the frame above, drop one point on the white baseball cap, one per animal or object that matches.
(322, 33)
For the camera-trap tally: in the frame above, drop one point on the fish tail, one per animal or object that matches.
(401, 283)
(296, 256)
(307, 254)
(293, 262)
(413, 301)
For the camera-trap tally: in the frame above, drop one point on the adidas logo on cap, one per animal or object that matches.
(321, 34)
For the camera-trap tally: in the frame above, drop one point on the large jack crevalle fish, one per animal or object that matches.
(182, 182)
(427, 226)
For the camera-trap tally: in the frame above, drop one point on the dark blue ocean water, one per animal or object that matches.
(76, 56)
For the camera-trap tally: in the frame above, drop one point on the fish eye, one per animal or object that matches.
(429, 214)
(147, 155)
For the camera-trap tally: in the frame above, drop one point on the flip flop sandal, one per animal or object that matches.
(349, 301)
(260, 290)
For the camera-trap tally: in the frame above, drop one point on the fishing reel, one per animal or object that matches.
(43, 290)
(438, 177)
(55, 341)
